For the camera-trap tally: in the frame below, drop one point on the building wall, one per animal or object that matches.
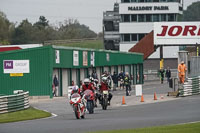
(38, 82)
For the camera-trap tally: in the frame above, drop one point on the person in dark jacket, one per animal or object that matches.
(168, 74)
(115, 80)
(55, 85)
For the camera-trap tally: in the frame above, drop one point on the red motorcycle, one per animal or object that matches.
(78, 105)
(90, 98)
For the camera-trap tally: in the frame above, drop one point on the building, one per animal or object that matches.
(111, 35)
(137, 18)
(33, 69)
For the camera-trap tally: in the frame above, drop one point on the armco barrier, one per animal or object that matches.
(14, 102)
(191, 87)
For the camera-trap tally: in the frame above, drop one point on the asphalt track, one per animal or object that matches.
(181, 110)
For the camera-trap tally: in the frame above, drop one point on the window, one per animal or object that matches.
(134, 18)
(141, 18)
(140, 36)
(163, 0)
(140, 0)
(134, 37)
(155, 0)
(171, 17)
(149, 0)
(163, 17)
(133, 0)
(155, 18)
(127, 38)
(125, 1)
(148, 18)
(126, 18)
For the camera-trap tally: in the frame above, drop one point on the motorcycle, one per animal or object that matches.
(89, 97)
(78, 105)
(104, 102)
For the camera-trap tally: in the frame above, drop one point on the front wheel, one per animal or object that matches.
(90, 106)
(77, 112)
(104, 103)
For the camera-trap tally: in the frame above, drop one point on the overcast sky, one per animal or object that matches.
(88, 12)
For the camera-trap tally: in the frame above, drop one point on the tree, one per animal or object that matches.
(192, 13)
(24, 33)
(6, 29)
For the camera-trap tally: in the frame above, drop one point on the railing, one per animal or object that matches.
(14, 102)
(54, 42)
(191, 87)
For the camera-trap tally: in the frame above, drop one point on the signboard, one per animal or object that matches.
(57, 56)
(107, 57)
(85, 58)
(16, 74)
(92, 57)
(16, 66)
(149, 8)
(75, 58)
(176, 33)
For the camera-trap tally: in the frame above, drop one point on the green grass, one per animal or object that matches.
(93, 44)
(184, 128)
(27, 114)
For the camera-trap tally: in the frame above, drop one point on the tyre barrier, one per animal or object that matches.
(191, 87)
(16, 102)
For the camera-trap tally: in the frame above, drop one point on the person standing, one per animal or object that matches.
(168, 74)
(127, 84)
(115, 80)
(181, 72)
(121, 78)
(162, 73)
(55, 85)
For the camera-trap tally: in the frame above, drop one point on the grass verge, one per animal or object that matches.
(184, 128)
(27, 114)
(93, 44)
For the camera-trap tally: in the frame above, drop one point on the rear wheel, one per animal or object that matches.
(76, 111)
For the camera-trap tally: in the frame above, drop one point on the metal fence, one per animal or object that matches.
(54, 42)
(194, 66)
(14, 102)
(154, 74)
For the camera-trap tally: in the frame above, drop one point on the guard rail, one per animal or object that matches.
(14, 102)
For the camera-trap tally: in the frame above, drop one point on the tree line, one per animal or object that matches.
(40, 31)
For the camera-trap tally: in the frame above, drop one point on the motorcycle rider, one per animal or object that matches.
(87, 85)
(104, 86)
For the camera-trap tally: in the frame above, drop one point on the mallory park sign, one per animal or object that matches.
(147, 8)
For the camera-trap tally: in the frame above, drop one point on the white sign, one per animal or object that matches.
(85, 58)
(75, 58)
(176, 33)
(16, 66)
(149, 8)
(138, 90)
(92, 57)
(57, 56)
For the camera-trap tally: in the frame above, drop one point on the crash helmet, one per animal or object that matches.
(104, 79)
(86, 81)
(75, 89)
(91, 79)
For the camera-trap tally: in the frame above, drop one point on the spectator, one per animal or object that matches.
(55, 85)
(168, 74)
(94, 74)
(121, 78)
(162, 73)
(115, 81)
